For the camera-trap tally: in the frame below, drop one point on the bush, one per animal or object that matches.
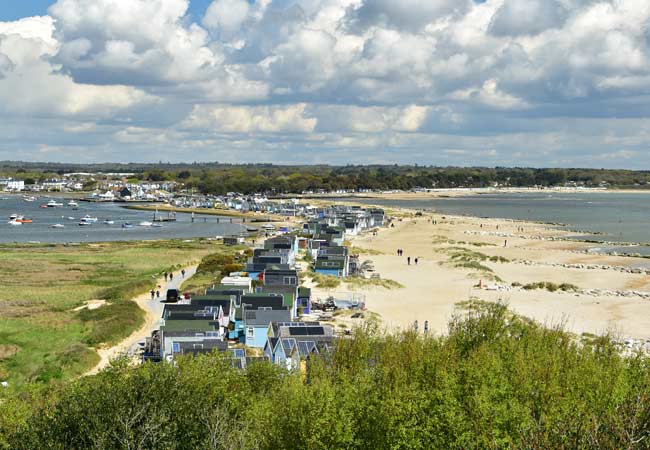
(496, 381)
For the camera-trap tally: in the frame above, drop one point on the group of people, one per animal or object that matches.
(400, 252)
(169, 276)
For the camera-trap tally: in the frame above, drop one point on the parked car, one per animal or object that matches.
(172, 295)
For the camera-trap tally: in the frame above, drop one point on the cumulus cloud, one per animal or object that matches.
(32, 85)
(246, 119)
(522, 17)
(434, 81)
(226, 15)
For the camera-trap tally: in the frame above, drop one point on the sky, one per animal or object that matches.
(543, 83)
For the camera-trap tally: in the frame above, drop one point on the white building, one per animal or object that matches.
(13, 185)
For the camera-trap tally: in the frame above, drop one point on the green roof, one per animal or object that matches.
(190, 325)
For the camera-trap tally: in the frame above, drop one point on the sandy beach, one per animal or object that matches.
(609, 298)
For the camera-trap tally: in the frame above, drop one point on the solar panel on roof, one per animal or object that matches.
(288, 343)
(297, 331)
(306, 347)
(315, 331)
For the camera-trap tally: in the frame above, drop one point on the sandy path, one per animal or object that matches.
(432, 290)
(153, 311)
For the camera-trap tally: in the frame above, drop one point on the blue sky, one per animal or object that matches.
(449, 82)
(16, 9)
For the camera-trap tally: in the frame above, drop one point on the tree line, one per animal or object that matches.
(215, 178)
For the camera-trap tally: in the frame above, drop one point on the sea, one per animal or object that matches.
(614, 217)
(43, 218)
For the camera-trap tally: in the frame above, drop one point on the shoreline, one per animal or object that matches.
(255, 218)
(560, 226)
(611, 294)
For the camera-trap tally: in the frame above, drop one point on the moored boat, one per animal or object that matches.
(53, 204)
(57, 225)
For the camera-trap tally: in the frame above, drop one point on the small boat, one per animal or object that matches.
(127, 225)
(144, 223)
(157, 225)
(23, 220)
(57, 225)
(109, 222)
(70, 218)
(30, 199)
(84, 223)
(87, 218)
(73, 203)
(53, 204)
(43, 206)
(14, 222)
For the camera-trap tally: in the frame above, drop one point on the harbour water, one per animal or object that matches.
(615, 217)
(43, 218)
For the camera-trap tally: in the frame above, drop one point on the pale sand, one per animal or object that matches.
(432, 290)
(153, 312)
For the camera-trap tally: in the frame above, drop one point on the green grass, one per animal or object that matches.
(42, 284)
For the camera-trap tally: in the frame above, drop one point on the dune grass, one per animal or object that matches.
(42, 284)
(360, 283)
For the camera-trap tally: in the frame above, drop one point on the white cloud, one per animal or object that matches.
(410, 77)
(33, 86)
(245, 119)
(226, 15)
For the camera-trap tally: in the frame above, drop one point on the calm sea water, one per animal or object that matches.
(40, 231)
(620, 217)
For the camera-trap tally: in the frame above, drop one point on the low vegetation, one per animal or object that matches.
(42, 285)
(364, 251)
(551, 287)
(440, 240)
(463, 258)
(495, 381)
(215, 266)
(325, 281)
(361, 283)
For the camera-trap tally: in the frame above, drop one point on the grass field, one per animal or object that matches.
(42, 338)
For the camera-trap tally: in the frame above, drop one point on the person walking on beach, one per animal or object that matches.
(416, 261)
(505, 243)
(165, 274)
(157, 294)
(426, 327)
(182, 273)
(408, 260)
(171, 275)
(153, 294)
(415, 326)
